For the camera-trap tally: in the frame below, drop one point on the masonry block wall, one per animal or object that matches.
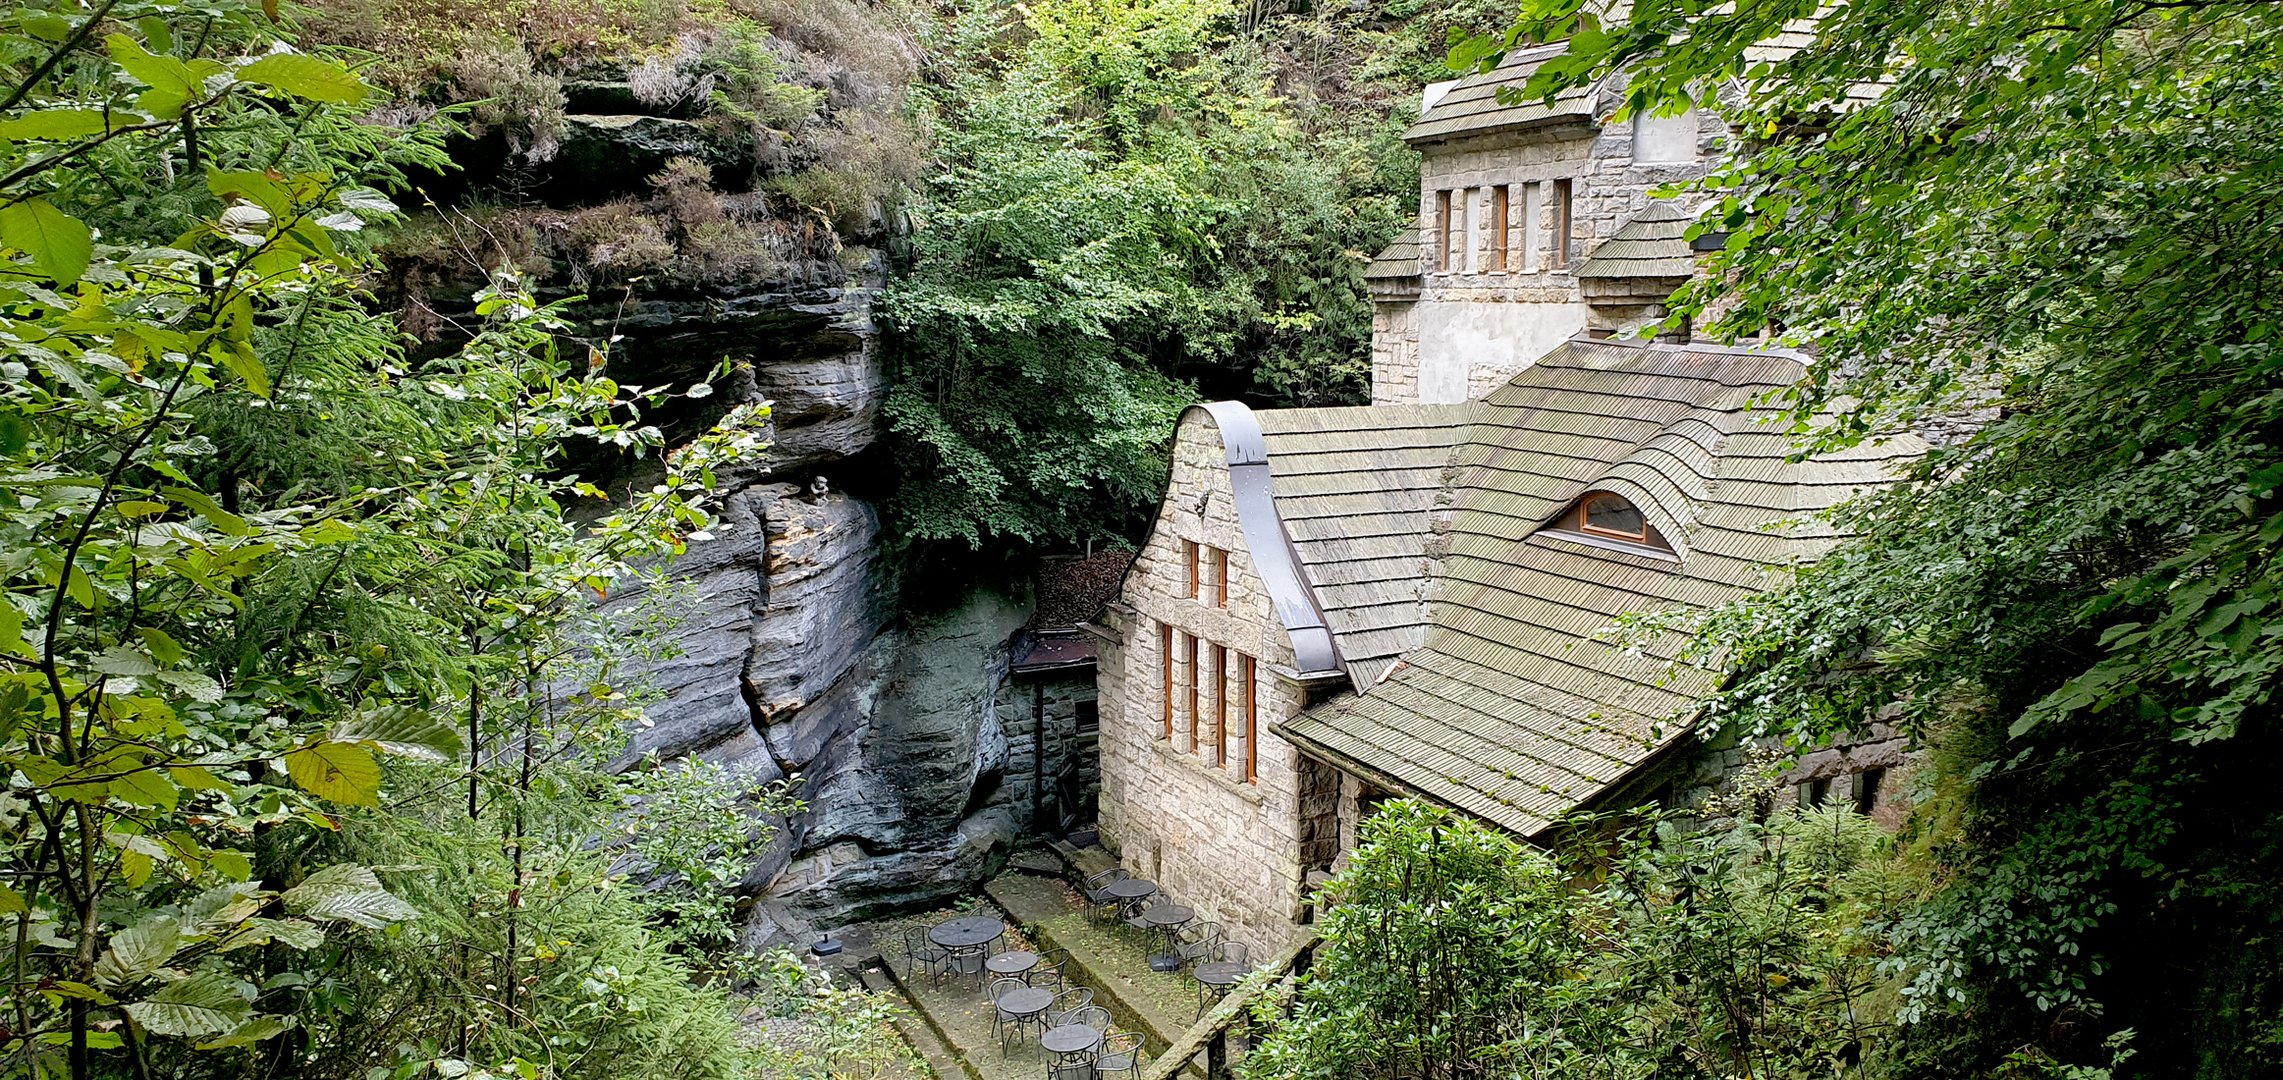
(1173, 810)
(1497, 293)
(1394, 349)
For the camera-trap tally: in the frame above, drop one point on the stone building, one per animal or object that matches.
(1419, 596)
(1516, 202)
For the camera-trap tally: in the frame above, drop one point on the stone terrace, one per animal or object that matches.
(950, 1024)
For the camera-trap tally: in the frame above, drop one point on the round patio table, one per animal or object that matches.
(1026, 1006)
(967, 938)
(1012, 962)
(1166, 919)
(1130, 891)
(1214, 980)
(1070, 1040)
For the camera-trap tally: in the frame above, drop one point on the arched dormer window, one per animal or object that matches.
(1611, 520)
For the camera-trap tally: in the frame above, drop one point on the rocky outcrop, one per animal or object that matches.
(789, 662)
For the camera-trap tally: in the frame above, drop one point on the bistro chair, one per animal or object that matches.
(1098, 898)
(1196, 941)
(1120, 1053)
(1001, 1019)
(1051, 964)
(1075, 997)
(920, 952)
(1093, 1016)
(1071, 1070)
(1233, 952)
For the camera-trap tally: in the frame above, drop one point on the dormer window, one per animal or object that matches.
(1608, 519)
(1610, 515)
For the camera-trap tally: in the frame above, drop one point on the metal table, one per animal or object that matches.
(1215, 979)
(1026, 1006)
(967, 938)
(1167, 919)
(1013, 962)
(1070, 1040)
(1130, 891)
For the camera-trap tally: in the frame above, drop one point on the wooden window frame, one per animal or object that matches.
(1499, 211)
(1585, 518)
(1165, 655)
(1443, 230)
(1189, 686)
(1251, 710)
(1565, 217)
(1220, 577)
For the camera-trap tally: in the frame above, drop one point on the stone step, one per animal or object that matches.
(917, 1030)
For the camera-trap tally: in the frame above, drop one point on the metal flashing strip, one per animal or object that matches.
(1265, 537)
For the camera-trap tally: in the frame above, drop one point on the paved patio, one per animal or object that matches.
(951, 1025)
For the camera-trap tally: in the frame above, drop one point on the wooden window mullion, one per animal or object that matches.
(1251, 692)
(1220, 577)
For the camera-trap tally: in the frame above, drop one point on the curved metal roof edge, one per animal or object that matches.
(1266, 539)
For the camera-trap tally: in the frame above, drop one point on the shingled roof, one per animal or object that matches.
(1471, 105)
(1510, 708)
(1354, 487)
(1399, 259)
(1652, 245)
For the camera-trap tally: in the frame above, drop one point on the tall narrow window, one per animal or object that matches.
(1563, 219)
(1220, 706)
(1189, 568)
(1867, 785)
(1247, 705)
(1165, 661)
(1220, 577)
(1190, 684)
(1498, 226)
(1442, 235)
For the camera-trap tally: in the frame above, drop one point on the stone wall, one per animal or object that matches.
(1049, 702)
(1394, 350)
(1211, 840)
(1474, 323)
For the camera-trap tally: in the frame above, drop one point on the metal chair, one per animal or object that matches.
(1093, 1016)
(920, 952)
(1051, 964)
(1075, 997)
(1233, 952)
(1071, 1070)
(1120, 1053)
(1001, 1019)
(1196, 941)
(1097, 898)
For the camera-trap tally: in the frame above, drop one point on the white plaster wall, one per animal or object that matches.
(1468, 345)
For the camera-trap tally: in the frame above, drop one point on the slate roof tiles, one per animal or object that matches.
(1484, 678)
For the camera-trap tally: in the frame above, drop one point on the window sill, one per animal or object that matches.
(1200, 764)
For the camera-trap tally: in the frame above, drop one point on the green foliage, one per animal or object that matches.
(693, 827)
(2057, 223)
(257, 570)
(1662, 948)
(1126, 207)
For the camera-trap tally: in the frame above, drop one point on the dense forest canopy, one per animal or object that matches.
(310, 729)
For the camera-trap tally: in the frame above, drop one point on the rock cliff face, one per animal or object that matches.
(793, 659)
(659, 228)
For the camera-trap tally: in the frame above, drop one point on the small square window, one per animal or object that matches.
(1089, 716)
